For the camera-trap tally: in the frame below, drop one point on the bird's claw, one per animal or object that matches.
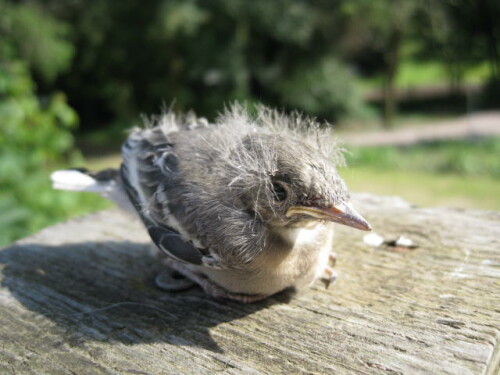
(331, 277)
(331, 274)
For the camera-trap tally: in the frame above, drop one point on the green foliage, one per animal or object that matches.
(461, 33)
(288, 21)
(30, 33)
(181, 19)
(132, 57)
(34, 139)
(327, 89)
(35, 132)
(467, 158)
(197, 54)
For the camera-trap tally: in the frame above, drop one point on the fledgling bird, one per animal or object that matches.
(243, 207)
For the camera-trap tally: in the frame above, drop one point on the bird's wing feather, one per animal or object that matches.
(142, 178)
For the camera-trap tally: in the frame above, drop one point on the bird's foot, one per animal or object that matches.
(331, 274)
(330, 278)
(192, 277)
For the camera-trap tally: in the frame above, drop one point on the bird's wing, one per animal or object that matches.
(148, 162)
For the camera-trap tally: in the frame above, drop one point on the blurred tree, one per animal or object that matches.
(30, 33)
(326, 89)
(34, 133)
(379, 27)
(464, 33)
(131, 56)
(199, 54)
(33, 137)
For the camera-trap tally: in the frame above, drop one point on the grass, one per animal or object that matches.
(471, 157)
(427, 189)
(463, 174)
(415, 73)
(428, 73)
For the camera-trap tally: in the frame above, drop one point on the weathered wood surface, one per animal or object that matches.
(77, 298)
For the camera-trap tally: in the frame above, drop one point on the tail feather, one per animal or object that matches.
(107, 183)
(80, 180)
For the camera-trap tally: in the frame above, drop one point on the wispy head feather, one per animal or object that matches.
(319, 136)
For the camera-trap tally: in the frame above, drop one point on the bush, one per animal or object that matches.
(35, 138)
(328, 89)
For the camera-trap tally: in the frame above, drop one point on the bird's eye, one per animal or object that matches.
(279, 191)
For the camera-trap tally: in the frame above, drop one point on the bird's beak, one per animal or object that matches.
(342, 213)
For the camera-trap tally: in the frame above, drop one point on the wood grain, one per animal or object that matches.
(78, 298)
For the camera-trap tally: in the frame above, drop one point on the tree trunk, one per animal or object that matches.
(490, 36)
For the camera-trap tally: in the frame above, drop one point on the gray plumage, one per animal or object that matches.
(252, 198)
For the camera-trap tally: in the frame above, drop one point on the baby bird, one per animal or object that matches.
(244, 207)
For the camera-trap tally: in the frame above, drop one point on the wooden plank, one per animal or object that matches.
(78, 298)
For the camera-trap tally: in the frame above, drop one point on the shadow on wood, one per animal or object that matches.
(78, 298)
(104, 291)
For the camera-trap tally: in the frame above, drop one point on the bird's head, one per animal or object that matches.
(286, 182)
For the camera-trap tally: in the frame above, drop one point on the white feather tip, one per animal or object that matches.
(74, 180)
